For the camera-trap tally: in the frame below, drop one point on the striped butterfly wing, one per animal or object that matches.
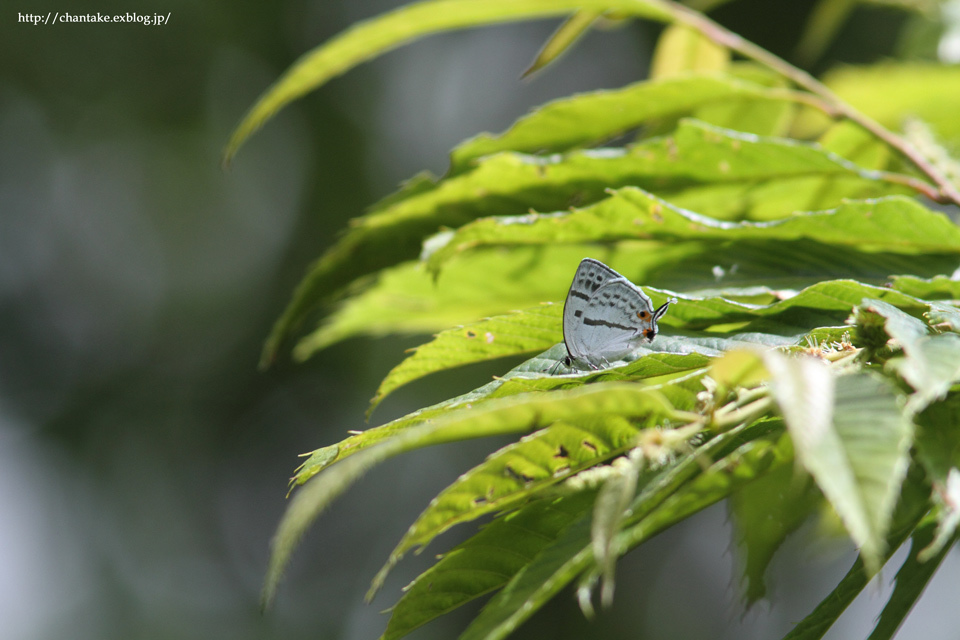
(617, 318)
(590, 276)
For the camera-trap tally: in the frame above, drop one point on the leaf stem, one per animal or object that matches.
(943, 191)
(743, 415)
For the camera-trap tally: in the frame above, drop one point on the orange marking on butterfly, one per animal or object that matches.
(643, 315)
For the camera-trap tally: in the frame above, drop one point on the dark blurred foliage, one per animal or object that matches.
(143, 459)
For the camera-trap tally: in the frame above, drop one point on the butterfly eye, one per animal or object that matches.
(643, 315)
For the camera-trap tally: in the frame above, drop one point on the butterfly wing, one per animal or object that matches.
(590, 276)
(617, 317)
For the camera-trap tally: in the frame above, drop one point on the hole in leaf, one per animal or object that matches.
(517, 475)
(561, 452)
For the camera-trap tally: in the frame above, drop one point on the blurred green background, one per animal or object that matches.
(143, 459)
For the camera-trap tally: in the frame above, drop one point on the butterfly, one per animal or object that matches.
(605, 316)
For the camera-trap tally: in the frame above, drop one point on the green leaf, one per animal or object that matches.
(911, 580)
(681, 49)
(526, 378)
(518, 472)
(368, 39)
(594, 117)
(511, 415)
(680, 491)
(931, 367)
(854, 143)
(765, 513)
(485, 283)
(485, 562)
(531, 330)
(853, 437)
(609, 513)
(537, 328)
(719, 172)
(891, 91)
(938, 450)
(936, 288)
(895, 224)
(875, 322)
(563, 38)
(931, 364)
(911, 508)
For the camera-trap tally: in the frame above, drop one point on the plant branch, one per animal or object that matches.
(944, 191)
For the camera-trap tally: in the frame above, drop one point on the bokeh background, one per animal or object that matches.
(144, 460)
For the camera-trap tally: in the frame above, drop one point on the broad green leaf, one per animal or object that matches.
(537, 328)
(764, 116)
(594, 117)
(484, 562)
(682, 490)
(531, 330)
(738, 368)
(854, 143)
(680, 373)
(368, 39)
(931, 367)
(609, 511)
(912, 578)
(765, 513)
(821, 305)
(890, 92)
(936, 288)
(563, 38)
(486, 283)
(681, 49)
(911, 508)
(895, 224)
(510, 415)
(520, 471)
(876, 322)
(722, 173)
(938, 450)
(947, 514)
(931, 364)
(944, 316)
(852, 435)
(938, 438)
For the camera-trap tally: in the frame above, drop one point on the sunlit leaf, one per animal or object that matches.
(532, 330)
(683, 490)
(854, 143)
(592, 118)
(892, 91)
(520, 471)
(765, 513)
(938, 450)
(510, 415)
(895, 224)
(485, 562)
(681, 49)
(368, 39)
(718, 172)
(563, 38)
(852, 435)
(936, 288)
(910, 510)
